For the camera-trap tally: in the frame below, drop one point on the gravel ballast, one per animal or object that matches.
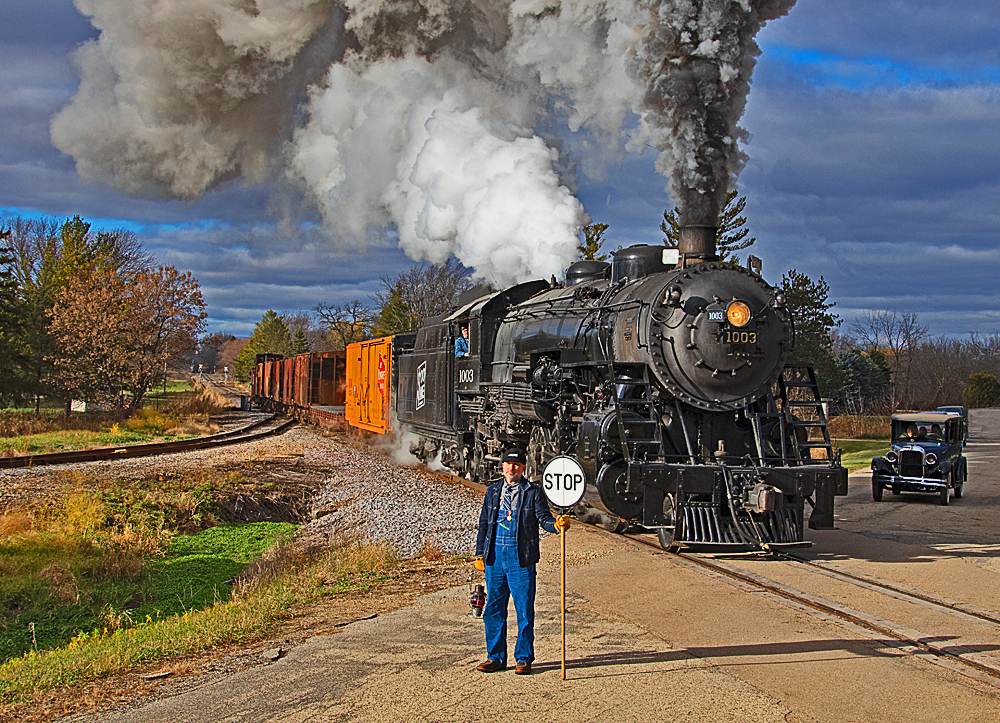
(364, 493)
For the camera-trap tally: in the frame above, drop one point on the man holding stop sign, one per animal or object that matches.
(507, 551)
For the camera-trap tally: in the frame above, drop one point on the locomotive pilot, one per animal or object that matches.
(507, 550)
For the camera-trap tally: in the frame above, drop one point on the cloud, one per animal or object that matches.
(960, 36)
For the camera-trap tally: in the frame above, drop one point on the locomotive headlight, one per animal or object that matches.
(930, 460)
(738, 313)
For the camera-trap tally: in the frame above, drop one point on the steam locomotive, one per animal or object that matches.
(663, 372)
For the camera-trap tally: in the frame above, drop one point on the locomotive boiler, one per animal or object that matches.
(664, 373)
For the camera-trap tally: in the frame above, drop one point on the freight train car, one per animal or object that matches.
(371, 375)
(310, 386)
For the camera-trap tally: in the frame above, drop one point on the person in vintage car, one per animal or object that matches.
(926, 456)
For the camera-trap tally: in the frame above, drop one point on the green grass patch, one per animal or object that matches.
(57, 584)
(858, 453)
(195, 568)
(285, 578)
(109, 557)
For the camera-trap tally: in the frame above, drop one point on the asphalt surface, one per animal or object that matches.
(652, 638)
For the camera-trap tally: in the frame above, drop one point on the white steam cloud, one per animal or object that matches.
(423, 115)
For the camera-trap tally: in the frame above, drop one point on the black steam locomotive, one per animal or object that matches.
(664, 373)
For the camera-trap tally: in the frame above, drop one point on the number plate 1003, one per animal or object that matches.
(736, 342)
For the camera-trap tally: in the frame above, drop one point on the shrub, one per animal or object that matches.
(982, 390)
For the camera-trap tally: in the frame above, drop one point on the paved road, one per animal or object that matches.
(651, 638)
(969, 526)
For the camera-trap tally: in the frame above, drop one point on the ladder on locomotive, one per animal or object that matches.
(635, 447)
(802, 408)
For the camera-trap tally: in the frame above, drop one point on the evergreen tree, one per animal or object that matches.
(300, 345)
(46, 256)
(731, 236)
(813, 322)
(866, 384)
(270, 336)
(593, 237)
(982, 390)
(11, 327)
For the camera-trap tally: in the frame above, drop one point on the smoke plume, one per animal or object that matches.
(439, 118)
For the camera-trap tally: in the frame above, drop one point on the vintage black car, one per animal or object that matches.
(926, 456)
(965, 418)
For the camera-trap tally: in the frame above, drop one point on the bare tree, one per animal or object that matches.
(345, 323)
(412, 296)
(897, 335)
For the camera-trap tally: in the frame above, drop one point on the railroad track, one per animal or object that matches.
(957, 657)
(272, 425)
(222, 387)
(961, 658)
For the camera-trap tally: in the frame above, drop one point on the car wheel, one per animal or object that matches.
(960, 479)
(877, 491)
(945, 495)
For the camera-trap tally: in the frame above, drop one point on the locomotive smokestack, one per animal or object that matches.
(698, 240)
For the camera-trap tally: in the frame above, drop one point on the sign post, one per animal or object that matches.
(563, 481)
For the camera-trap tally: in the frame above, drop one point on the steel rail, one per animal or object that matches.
(853, 577)
(234, 436)
(826, 609)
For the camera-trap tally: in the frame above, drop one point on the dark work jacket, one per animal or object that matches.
(533, 510)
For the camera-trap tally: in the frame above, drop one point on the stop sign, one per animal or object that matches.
(563, 481)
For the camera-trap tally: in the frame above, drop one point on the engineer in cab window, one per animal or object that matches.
(462, 343)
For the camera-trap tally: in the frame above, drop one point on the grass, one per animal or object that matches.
(285, 577)
(104, 557)
(197, 570)
(145, 425)
(858, 453)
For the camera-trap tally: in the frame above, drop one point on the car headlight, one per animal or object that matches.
(891, 457)
(738, 313)
(930, 459)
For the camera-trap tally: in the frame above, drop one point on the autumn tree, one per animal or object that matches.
(209, 347)
(808, 303)
(593, 237)
(46, 255)
(115, 333)
(270, 336)
(732, 236)
(345, 323)
(405, 300)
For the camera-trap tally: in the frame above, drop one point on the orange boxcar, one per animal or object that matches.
(368, 403)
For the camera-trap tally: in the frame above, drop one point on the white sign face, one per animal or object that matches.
(421, 384)
(563, 481)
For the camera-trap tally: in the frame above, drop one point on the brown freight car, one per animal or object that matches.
(307, 385)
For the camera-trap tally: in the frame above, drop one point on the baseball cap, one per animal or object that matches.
(514, 455)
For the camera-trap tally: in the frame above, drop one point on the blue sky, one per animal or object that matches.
(874, 160)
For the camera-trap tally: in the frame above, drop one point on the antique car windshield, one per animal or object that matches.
(918, 432)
